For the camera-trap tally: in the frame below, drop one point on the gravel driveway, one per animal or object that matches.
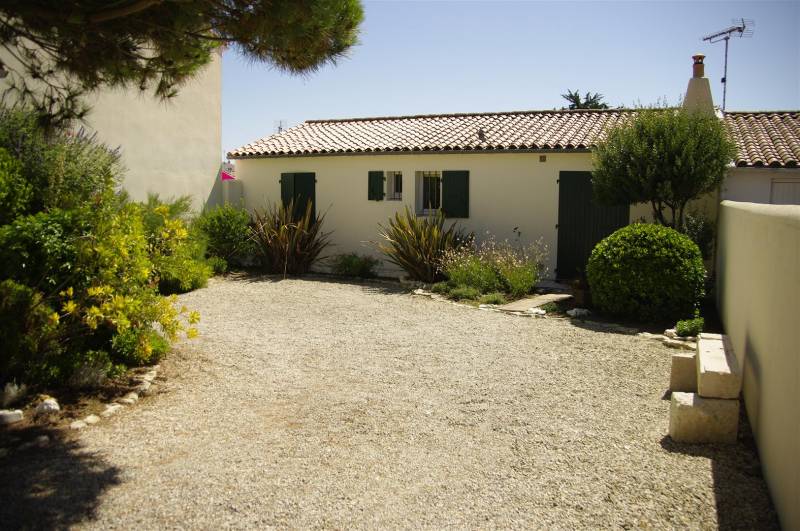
(308, 403)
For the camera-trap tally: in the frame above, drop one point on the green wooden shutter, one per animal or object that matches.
(305, 191)
(287, 188)
(375, 186)
(455, 194)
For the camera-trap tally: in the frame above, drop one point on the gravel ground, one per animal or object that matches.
(308, 403)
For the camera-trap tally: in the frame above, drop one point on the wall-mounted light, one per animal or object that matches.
(542, 158)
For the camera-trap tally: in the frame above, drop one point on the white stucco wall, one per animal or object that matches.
(754, 185)
(170, 147)
(507, 190)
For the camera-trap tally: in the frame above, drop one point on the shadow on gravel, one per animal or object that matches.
(52, 487)
(742, 498)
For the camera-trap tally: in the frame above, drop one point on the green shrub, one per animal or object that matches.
(217, 264)
(463, 267)
(550, 307)
(15, 192)
(519, 279)
(417, 243)
(354, 265)
(493, 298)
(227, 230)
(646, 272)
(442, 288)
(701, 231)
(288, 244)
(464, 292)
(42, 248)
(176, 249)
(139, 347)
(75, 267)
(28, 326)
(495, 266)
(63, 170)
(690, 327)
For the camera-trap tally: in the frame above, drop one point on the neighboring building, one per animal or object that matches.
(506, 173)
(768, 165)
(171, 148)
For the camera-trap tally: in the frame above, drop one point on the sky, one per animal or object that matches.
(430, 57)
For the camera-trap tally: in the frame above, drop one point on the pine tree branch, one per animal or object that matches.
(123, 11)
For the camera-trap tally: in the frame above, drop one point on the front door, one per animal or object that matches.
(582, 222)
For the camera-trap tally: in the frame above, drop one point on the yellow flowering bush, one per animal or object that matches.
(79, 281)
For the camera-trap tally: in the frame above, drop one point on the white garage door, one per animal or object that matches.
(785, 192)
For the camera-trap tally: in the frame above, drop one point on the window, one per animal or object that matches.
(431, 185)
(445, 190)
(394, 185)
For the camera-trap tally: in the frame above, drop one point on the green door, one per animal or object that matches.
(302, 188)
(582, 222)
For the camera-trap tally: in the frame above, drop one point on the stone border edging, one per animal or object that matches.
(144, 388)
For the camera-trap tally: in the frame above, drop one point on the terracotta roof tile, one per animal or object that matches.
(766, 138)
(567, 130)
(762, 138)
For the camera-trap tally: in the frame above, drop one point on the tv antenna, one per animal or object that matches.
(280, 126)
(741, 28)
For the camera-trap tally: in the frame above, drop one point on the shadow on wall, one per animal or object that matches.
(53, 487)
(740, 492)
(215, 195)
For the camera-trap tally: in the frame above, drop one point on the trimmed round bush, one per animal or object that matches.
(646, 273)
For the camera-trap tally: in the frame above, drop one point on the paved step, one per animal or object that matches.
(694, 419)
(524, 305)
(683, 375)
(718, 372)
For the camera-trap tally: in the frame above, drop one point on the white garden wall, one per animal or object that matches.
(758, 283)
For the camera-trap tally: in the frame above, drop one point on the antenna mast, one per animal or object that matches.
(741, 28)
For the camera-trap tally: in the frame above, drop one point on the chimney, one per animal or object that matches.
(698, 93)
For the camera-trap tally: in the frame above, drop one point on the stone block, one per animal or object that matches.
(694, 419)
(718, 373)
(683, 375)
(10, 416)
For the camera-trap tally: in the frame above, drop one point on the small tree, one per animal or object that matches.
(665, 157)
(590, 101)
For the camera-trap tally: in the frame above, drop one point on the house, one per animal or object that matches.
(518, 175)
(171, 148)
(768, 165)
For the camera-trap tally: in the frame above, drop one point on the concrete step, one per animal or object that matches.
(718, 372)
(683, 375)
(694, 419)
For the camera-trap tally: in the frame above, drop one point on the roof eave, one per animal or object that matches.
(417, 152)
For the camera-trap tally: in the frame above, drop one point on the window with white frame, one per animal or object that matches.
(429, 186)
(394, 185)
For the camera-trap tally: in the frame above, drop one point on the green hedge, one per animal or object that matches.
(646, 273)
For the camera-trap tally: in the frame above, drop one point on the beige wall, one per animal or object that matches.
(754, 185)
(506, 191)
(172, 148)
(758, 264)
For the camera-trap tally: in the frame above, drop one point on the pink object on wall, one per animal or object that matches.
(225, 176)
